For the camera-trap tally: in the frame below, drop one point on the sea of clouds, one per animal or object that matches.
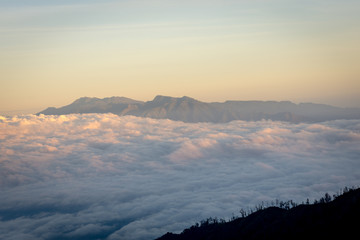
(101, 176)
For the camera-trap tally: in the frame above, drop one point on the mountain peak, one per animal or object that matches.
(120, 100)
(108, 100)
(161, 98)
(83, 100)
(186, 98)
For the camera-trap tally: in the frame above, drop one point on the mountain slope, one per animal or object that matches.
(187, 109)
(336, 219)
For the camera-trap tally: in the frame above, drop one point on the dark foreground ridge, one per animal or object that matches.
(324, 219)
(187, 109)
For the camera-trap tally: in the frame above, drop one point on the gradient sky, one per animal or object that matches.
(53, 52)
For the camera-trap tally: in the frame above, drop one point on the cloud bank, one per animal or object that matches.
(101, 176)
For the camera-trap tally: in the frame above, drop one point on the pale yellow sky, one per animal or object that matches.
(302, 51)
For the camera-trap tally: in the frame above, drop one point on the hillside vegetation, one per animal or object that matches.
(329, 217)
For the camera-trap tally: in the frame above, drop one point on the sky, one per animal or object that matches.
(53, 52)
(102, 176)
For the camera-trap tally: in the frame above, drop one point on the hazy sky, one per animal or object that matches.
(53, 52)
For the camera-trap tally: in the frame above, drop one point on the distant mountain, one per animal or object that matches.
(187, 109)
(338, 219)
(117, 105)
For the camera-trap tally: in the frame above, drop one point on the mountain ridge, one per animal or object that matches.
(189, 109)
(325, 219)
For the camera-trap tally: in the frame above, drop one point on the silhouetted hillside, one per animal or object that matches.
(187, 109)
(325, 219)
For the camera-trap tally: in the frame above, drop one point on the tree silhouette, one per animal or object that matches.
(327, 218)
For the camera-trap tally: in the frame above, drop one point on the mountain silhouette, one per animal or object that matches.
(337, 219)
(188, 109)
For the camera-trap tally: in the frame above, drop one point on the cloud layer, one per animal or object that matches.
(103, 176)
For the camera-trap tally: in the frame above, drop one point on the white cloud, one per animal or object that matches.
(104, 176)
